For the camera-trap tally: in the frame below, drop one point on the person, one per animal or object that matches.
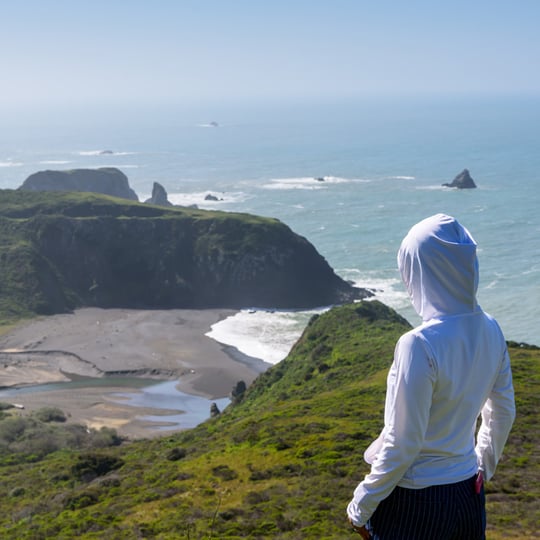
(427, 470)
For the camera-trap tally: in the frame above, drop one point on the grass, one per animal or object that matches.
(280, 464)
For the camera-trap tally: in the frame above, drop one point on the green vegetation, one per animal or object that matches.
(280, 464)
(31, 438)
(60, 251)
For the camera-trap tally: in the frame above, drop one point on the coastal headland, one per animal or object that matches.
(95, 342)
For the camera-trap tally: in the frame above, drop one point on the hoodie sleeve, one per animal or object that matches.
(498, 415)
(408, 402)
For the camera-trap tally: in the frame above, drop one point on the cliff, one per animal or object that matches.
(59, 251)
(107, 180)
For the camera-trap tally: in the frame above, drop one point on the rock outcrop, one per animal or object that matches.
(159, 196)
(61, 251)
(462, 181)
(107, 180)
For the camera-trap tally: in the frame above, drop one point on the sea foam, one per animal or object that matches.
(263, 334)
(199, 198)
(55, 162)
(306, 182)
(10, 163)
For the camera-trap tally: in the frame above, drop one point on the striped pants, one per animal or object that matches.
(447, 512)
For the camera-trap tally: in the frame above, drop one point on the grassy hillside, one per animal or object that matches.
(280, 464)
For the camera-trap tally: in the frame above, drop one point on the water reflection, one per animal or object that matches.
(189, 410)
(192, 410)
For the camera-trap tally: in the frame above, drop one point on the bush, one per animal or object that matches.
(90, 466)
(50, 414)
(12, 428)
(5, 406)
(105, 437)
(174, 454)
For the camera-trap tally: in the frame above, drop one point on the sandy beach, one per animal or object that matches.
(93, 342)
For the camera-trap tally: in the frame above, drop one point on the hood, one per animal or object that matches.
(438, 264)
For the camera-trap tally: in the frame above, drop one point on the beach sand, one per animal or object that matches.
(93, 342)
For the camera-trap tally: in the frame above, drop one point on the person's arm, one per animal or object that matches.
(408, 402)
(498, 415)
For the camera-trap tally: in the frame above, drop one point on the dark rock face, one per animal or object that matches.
(150, 263)
(107, 180)
(107, 254)
(159, 196)
(214, 410)
(462, 181)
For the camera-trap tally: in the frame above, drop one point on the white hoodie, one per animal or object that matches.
(445, 372)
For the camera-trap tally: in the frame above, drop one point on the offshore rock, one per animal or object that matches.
(462, 181)
(106, 180)
(159, 196)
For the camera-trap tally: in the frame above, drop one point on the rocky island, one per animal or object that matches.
(106, 180)
(462, 181)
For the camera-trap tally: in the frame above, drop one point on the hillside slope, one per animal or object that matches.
(280, 464)
(59, 251)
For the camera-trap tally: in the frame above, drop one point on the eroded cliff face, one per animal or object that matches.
(126, 256)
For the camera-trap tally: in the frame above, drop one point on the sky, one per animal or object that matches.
(182, 51)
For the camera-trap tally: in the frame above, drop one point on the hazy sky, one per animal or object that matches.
(197, 50)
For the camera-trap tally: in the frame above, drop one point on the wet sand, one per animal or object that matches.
(93, 342)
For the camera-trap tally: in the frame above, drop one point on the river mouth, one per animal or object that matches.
(155, 404)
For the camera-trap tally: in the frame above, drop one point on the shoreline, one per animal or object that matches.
(95, 343)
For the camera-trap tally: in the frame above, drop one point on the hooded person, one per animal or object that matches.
(429, 462)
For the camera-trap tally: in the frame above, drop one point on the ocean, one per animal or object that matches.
(351, 177)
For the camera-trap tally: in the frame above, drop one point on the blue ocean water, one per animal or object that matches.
(382, 165)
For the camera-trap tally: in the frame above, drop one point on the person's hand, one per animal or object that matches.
(362, 531)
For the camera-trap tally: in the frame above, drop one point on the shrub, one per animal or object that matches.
(105, 437)
(224, 472)
(50, 414)
(11, 428)
(174, 454)
(90, 466)
(5, 406)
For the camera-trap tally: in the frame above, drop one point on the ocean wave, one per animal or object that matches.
(307, 182)
(10, 163)
(267, 335)
(270, 334)
(104, 153)
(199, 198)
(55, 162)
(436, 187)
(389, 290)
(402, 178)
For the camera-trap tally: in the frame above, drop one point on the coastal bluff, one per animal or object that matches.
(61, 251)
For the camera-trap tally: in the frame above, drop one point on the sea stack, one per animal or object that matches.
(159, 196)
(462, 181)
